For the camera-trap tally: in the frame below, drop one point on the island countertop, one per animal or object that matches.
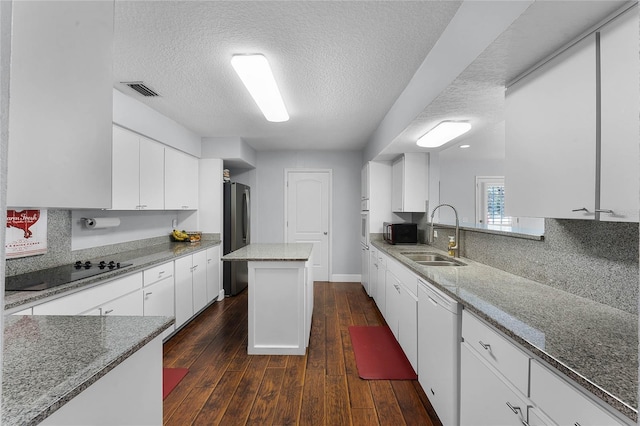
(48, 360)
(271, 252)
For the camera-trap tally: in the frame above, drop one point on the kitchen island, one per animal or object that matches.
(280, 297)
(76, 370)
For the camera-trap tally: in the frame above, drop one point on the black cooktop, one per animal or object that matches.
(53, 277)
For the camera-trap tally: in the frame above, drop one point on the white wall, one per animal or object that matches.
(267, 213)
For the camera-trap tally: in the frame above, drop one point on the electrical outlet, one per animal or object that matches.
(174, 223)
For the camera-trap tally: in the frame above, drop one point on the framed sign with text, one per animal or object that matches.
(26, 233)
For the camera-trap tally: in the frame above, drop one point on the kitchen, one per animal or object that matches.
(261, 168)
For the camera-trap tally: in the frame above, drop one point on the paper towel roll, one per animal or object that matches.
(101, 222)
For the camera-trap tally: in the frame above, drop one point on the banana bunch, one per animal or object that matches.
(180, 235)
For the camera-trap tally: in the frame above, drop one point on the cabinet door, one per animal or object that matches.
(373, 274)
(151, 175)
(199, 280)
(364, 182)
(620, 109)
(564, 403)
(158, 300)
(397, 185)
(364, 268)
(129, 305)
(485, 399)
(125, 170)
(183, 290)
(550, 119)
(61, 111)
(393, 304)
(536, 418)
(213, 273)
(180, 181)
(381, 292)
(408, 326)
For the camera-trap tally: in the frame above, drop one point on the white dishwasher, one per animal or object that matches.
(439, 331)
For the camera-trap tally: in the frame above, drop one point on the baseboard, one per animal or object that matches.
(346, 278)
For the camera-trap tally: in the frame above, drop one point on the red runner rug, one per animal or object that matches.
(379, 355)
(170, 379)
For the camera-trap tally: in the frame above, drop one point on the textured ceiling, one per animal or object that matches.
(477, 95)
(340, 65)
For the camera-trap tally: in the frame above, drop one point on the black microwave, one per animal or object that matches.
(400, 233)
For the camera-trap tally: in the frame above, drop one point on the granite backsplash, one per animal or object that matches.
(592, 259)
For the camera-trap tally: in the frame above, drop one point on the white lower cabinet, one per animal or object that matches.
(213, 273)
(373, 273)
(563, 402)
(408, 326)
(191, 286)
(83, 301)
(392, 304)
(381, 282)
(158, 293)
(128, 305)
(486, 399)
(199, 280)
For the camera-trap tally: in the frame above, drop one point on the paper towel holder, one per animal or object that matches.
(98, 223)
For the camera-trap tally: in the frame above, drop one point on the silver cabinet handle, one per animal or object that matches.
(583, 209)
(576, 424)
(147, 294)
(516, 410)
(325, 233)
(108, 312)
(161, 272)
(485, 346)
(604, 211)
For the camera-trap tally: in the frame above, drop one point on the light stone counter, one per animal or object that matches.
(49, 360)
(271, 252)
(142, 258)
(594, 344)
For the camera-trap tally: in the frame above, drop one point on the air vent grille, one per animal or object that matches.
(141, 88)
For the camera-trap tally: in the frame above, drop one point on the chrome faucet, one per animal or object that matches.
(456, 248)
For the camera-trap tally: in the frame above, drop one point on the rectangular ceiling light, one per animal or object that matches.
(443, 133)
(255, 73)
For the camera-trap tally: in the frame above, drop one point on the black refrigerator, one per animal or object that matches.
(237, 205)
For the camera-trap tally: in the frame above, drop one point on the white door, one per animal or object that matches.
(307, 215)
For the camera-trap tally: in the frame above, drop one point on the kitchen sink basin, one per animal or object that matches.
(432, 259)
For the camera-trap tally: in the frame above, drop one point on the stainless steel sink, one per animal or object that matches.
(431, 259)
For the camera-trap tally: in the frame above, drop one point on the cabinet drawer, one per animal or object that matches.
(157, 273)
(408, 279)
(562, 402)
(84, 300)
(497, 350)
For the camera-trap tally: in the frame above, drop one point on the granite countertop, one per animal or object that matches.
(142, 258)
(271, 252)
(594, 344)
(48, 360)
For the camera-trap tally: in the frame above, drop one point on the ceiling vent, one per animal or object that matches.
(141, 88)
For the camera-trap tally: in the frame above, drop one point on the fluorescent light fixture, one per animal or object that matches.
(443, 133)
(255, 73)
(465, 146)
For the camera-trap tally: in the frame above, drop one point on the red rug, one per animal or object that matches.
(170, 379)
(379, 355)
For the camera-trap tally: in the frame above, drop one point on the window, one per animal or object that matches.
(490, 201)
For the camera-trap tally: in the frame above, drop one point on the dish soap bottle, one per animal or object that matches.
(452, 244)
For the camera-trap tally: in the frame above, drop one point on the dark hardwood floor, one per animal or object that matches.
(226, 386)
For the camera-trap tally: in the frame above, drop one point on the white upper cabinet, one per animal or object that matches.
(364, 182)
(572, 133)
(180, 181)
(61, 105)
(620, 90)
(410, 183)
(138, 172)
(550, 138)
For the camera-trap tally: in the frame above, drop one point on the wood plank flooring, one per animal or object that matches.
(228, 387)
